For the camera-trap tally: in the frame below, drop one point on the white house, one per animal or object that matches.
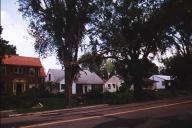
(113, 84)
(160, 81)
(85, 81)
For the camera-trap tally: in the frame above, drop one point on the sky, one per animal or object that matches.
(15, 31)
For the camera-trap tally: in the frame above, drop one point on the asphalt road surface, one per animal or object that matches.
(170, 113)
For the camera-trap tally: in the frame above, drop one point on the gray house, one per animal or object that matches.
(85, 81)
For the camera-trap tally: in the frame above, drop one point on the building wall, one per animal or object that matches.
(159, 84)
(112, 86)
(86, 88)
(49, 77)
(63, 82)
(10, 78)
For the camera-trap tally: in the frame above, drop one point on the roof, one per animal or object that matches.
(24, 61)
(84, 77)
(114, 79)
(164, 77)
(87, 77)
(42, 72)
(58, 74)
(21, 60)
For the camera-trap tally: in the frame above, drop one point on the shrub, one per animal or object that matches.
(93, 97)
(119, 97)
(25, 100)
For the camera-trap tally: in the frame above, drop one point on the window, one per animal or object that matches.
(2, 86)
(3, 70)
(109, 86)
(31, 71)
(62, 86)
(19, 70)
(163, 83)
(114, 86)
(37, 72)
(49, 77)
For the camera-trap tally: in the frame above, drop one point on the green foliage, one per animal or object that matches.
(124, 88)
(128, 34)
(92, 62)
(59, 26)
(25, 100)
(5, 47)
(180, 68)
(94, 97)
(98, 64)
(119, 98)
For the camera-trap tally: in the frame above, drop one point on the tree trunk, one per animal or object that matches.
(69, 78)
(137, 81)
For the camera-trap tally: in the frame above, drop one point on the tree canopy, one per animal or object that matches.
(128, 34)
(130, 31)
(5, 47)
(59, 26)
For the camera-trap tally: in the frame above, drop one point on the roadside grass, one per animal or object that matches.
(50, 103)
(25, 102)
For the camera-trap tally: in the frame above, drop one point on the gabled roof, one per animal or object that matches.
(114, 79)
(87, 77)
(21, 61)
(42, 72)
(24, 61)
(57, 74)
(84, 77)
(164, 77)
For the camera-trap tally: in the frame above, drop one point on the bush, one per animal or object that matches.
(119, 97)
(93, 97)
(25, 100)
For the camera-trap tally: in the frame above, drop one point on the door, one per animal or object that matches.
(19, 88)
(85, 89)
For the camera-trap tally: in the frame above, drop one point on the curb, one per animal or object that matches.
(52, 111)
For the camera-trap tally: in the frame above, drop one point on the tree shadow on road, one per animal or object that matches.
(178, 121)
(122, 123)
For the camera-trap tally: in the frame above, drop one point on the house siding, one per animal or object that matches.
(10, 78)
(159, 82)
(113, 84)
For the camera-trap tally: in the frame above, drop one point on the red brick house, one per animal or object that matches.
(19, 73)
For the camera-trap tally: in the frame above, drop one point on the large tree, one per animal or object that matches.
(127, 33)
(179, 67)
(59, 25)
(103, 67)
(177, 17)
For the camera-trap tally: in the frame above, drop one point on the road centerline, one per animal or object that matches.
(106, 115)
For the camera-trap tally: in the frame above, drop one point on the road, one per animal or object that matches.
(170, 113)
